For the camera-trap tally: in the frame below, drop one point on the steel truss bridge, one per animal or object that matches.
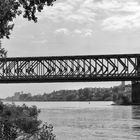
(124, 67)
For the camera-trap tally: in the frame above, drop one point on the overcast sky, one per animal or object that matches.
(75, 27)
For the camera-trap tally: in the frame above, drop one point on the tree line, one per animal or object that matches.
(85, 94)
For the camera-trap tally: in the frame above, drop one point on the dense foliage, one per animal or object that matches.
(10, 9)
(21, 122)
(86, 94)
(122, 96)
(117, 93)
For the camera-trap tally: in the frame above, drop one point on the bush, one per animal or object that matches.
(122, 98)
(21, 123)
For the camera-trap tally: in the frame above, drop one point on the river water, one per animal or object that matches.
(90, 120)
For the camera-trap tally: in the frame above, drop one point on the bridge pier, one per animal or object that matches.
(136, 92)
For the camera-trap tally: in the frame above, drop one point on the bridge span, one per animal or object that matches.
(86, 68)
(124, 67)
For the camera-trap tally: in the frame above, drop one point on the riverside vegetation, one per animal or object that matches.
(21, 123)
(118, 94)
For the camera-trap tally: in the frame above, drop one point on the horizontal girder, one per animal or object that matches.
(124, 67)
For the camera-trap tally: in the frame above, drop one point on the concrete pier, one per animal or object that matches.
(136, 92)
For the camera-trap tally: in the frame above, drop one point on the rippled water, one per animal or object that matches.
(90, 120)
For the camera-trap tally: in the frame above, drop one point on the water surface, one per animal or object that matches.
(90, 120)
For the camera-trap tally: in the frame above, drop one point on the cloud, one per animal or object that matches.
(57, 12)
(112, 5)
(62, 31)
(83, 32)
(88, 33)
(115, 14)
(69, 11)
(101, 5)
(130, 6)
(79, 32)
(43, 41)
(108, 14)
(122, 22)
(127, 16)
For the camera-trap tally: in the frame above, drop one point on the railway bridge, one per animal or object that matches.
(84, 68)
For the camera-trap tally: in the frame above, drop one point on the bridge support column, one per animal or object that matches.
(136, 86)
(136, 92)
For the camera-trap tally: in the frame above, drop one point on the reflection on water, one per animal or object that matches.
(135, 112)
(136, 118)
(94, 121)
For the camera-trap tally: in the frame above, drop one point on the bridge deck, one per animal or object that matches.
(70, 68)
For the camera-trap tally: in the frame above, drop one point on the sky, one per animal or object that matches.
(75, 27)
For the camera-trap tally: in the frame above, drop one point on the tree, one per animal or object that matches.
(10, 9)
(3, 52)
(21, 122)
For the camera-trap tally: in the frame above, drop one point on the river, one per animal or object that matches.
(90, 120)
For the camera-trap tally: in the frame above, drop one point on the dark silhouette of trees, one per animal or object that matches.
(10, 9)
(117, 94)
(21, 122)
(86, 94)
